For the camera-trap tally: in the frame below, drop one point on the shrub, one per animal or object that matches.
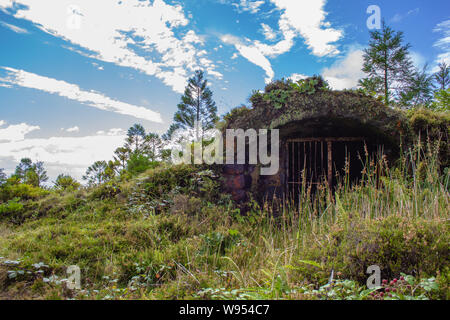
(23, 191)
(183, 204)
(138, 163)
(218, 242)
(66, 182)
(435, 126)
(396, 244)
(107, 190)
(12, 207)
(158, 187)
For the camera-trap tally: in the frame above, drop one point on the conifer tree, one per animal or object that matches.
(419, 91)
(442, 77)
(197, 105)
(135, 138)
(387, 64)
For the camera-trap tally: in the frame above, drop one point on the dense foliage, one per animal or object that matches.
(142, 228)
(170, 233)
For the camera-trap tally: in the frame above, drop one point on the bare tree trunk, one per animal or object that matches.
(198, 113)
(386, 89)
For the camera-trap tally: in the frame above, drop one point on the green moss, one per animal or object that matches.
(434, 126)
(284, 102)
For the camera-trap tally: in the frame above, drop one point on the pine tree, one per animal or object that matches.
(121, 156)
(441, 100)
(41, 173)
(65, 182)
(135, 138)
(152, 146)
(23, 167)
(387, 64)
(97, 173)
(169, 134)
(196, 105)
(442, 77)
(31, 173)
(419, 91)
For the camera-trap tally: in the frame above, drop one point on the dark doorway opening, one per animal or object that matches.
(314, 161)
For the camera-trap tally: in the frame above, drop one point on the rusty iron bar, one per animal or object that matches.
(330, 164)
(311, 162)
(340, 139)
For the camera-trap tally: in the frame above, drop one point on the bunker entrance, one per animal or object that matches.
(316, 161)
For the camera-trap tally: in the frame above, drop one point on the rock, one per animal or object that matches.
(235, 182)
(239, 196)
(234, 169)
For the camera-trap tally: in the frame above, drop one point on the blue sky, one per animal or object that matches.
(75, 74)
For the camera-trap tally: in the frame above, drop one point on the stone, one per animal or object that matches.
(234, 169)
(235, 182)
(239, 196)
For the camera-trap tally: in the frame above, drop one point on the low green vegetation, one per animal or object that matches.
(142, 228)
(170, 233)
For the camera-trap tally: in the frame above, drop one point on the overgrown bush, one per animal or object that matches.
(433, 126)
(107, 190)
(169, 234)
(22, 191)
(11, 208)
(396, 244)
(176, 188)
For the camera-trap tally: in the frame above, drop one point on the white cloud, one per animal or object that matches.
(74, 129)
(70, 155)
(15, 132)
(443, 44)
(308, 19)
(296, 77)
(73, 92)
(14, 28)
(399, 17)
(5, 4)
(298, 18)
(116, 132)
(345, 73)
(122, 32)
(417, 59)
(246, 5)
(268, 32)
(252, 54)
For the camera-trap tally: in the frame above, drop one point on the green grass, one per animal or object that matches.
(171, 234)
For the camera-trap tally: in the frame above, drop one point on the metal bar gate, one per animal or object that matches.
(310, 160)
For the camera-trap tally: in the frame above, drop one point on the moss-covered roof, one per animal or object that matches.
(284, 103)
